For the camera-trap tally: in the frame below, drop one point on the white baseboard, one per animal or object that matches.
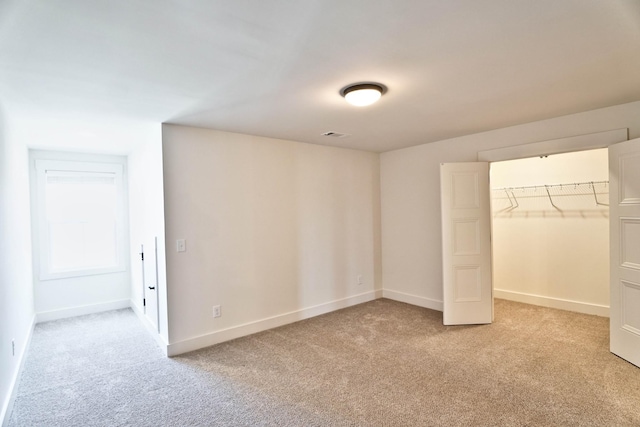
(217, 337)
(46, 316)
(7, 407)
(413, 299)
(562, 304)
(150, 327)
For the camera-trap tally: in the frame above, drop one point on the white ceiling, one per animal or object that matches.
(274, 68)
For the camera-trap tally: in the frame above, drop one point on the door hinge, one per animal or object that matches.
(142, 256)
(144, 302)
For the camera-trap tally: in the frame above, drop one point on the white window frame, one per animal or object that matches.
(41, 167)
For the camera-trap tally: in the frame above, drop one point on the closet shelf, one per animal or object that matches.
(551, 191)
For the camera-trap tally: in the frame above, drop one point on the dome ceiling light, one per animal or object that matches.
(362, 94)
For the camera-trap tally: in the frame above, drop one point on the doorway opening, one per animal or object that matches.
(550, 231)
(466, 186)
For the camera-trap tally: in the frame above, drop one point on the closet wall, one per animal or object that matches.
(556, 256)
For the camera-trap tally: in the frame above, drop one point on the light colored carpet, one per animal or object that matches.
(381, 363)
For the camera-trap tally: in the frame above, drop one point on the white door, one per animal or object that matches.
(624, 196)
(466, 243)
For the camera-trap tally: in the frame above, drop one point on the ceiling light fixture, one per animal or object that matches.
(362, 94)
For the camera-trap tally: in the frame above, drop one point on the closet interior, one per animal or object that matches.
(550, 230)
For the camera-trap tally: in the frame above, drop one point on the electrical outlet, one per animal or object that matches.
(360, 282)
(181, 245)
(217, 311)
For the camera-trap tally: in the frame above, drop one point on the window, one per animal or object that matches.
(80, 218)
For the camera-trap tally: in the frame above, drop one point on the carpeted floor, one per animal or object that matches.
(381, 363)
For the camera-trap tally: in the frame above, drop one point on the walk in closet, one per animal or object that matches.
(550, 230)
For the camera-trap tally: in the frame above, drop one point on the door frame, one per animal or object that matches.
(556, 146)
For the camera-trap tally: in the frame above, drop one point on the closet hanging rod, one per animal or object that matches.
(574, 184)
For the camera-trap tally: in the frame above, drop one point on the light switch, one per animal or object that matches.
(181, 245)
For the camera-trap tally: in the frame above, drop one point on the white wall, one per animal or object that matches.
(546, 256)
(275, 231)
(74, 296)
(146, 219)
(410, 194)
(16, 290)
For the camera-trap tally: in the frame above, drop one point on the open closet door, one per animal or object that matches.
(152, 291)
(466, 243)
(624, 196)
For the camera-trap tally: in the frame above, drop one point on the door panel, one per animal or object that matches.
(624, 177)
(151, 283)
(466, 243)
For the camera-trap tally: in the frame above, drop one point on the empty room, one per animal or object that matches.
(319, 213)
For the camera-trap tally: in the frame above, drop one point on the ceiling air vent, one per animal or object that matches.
(335, 134)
